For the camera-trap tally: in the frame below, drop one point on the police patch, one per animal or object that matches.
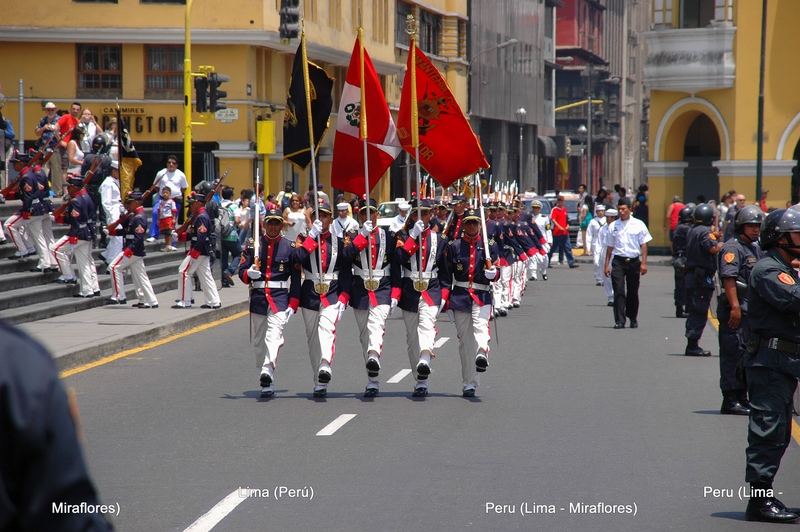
(28, 188)
(75, 213)
(712, 236)
(785, 278)
(729, 257)
(139, 229)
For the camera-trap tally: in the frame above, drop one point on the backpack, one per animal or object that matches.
(226, 223)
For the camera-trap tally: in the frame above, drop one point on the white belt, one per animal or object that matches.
(271, 284)
(326, 277)
(417, 275)
(129, 237)
(476, 286)
(361, 272)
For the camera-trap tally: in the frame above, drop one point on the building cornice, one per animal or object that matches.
(748, 168)
(671, 169)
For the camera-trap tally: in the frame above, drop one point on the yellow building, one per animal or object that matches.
(131, 52)
(702, 69)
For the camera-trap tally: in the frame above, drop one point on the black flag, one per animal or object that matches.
(295, 121)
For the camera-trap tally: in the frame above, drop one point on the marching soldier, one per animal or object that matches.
(274, 295)
(197, 261)
(373, 297)
(543, 222)
(47, 222)
(737, 259)
(702, 243)
(471, 298)
(34, 210)
(456, 229)
(441, 213)
(78, 241)
(510, 251)
(102, 171)
(685, 220)
(772, 362)
(134, 228)
(17, 224)
(322, 296)
(425, 288)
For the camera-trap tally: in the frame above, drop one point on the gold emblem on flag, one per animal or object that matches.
(371, 284)
(420, 285)
(322, 288)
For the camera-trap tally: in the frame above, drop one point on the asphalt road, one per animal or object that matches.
(572, 416)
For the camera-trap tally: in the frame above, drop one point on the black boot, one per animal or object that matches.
(694, 350)
(741, 396)
(679, 312)
(731, 405)
(767, 508)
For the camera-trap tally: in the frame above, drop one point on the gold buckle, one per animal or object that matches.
(371, 284)
(322, 288)
(420, 285)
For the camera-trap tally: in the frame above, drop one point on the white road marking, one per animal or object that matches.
(335, 425)
(440, 342)
(400, 376)
(211, 518)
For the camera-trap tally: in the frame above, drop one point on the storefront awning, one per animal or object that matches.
(547, 147)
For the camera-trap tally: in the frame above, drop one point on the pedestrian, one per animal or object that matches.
(601, 252)
(134, 227)
(561, 243)
(592, 243)
(374, 289)
(167, 214)
(763, 201)
(671, 218)
(702, 243)
(242, 218)
(585, 216)
(627, 243)
(737, 257)
(470, 301)
(274, 295)
(425, 288)
(399, 221)
(543, 222)
(67, 124)
(173, 178)
(641, 211)
(685, 221)
(284, 196)
(772, 363)
(197, 261)
(230, 250)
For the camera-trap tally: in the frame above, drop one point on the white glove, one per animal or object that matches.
(416, 229)
(451, 315)
(366, 229)
(341, 307)
(289, 314)
(441, 306)
(106, 231)
(393, 306)
(52, 218)
(253, 273)
(174, 234)
(316, 229)
(491, 273)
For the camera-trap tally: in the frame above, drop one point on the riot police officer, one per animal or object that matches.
(685, 220)
(736, 261)
(772, 362)
(702, 243)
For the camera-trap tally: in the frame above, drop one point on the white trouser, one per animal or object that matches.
(144, 290)
(321, 333)
(579, 239)
(371, 327)
(473, 337)
(17, 228)
(201, 267)
(599, 264)
(420, 332)
(37, 229)
(87, 273)
(505, 286)
(113, 248)
(2, 233)
(267, 338)
(517, 277)
(532, 265)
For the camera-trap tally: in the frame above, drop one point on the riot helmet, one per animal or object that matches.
(204, 187)
(98, 144)
(752, 214)
(777, 224)
(704, 214)
(686, 215)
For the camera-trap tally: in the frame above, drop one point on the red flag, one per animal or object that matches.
(448, 148)
(347, 172)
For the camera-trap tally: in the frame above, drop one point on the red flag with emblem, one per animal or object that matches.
(448, 148)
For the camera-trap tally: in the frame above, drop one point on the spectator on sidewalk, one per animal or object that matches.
(175, 179)
(167, 214)
(561, 243)
(229, 243)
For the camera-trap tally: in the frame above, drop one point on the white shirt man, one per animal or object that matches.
(592, 234)
(112, 205)
(343, 223)
(400, 219)
(173, 178)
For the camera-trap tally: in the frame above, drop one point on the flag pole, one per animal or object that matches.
(363, 134)
(123, 193)
(307, 86)
(411, 30)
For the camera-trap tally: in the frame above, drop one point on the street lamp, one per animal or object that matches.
(521, 112)
(589, 78)
(582, 135)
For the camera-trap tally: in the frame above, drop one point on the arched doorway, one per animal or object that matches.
(796, 175)
(701, 147)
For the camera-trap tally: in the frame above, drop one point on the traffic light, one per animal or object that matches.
(201, 91)
(214, 81)
(290, 20)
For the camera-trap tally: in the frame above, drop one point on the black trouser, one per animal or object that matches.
(770, 429)
(680, 289)
(699, 299)
(731, 347)
(625, 273)
(232, 247)
(100, 213)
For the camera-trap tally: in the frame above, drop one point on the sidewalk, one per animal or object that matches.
(85, 336)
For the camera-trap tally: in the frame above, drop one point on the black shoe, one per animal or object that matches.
(679, 313)
(574, 265)
(228, 277)
(619, 325)
(321, 392)
(265, 380)
(79, 295)
(39, 270)
(469, 392)
(178, 301)
(770, 511)
(370, 392)
(420, 391)
(113, 301)
(544, 276)
(741, 396)
(373, 367)
(96, 294)
(481, 363)
(610, 304)
(423, 370)
(697, 352)
(731, 405)
(145, 305)
(213, 307)
(324, 376)
(51, 270)
(634, 324)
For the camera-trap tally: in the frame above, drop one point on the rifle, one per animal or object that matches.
(95, 163)
(187, 223)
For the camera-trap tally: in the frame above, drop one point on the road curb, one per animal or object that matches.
(84, 356)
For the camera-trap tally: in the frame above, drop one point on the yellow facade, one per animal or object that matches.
(732, 109)
(239, 38)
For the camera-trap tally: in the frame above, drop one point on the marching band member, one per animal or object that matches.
(79, 214)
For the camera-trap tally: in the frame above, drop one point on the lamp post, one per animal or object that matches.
(589, 78)
(521, 112)
(582, 131)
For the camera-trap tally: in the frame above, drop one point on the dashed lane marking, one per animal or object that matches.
(400, 376)
(440, 342)
(335, 425)
(211, 518)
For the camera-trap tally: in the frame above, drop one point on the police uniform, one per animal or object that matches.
(701, 266)
(274, 298)
(197, 261)
(736, 261)
(772, 366)
(425, 285)
(323, 299)
(79, 214)
(134, 228)
(471, 302)
(372, 304)
(679, 256)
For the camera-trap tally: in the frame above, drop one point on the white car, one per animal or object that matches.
(388, 211)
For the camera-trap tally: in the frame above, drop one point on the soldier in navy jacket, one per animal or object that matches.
(425, 288)
(79, 214)
(197, 261)
(274, 295)
(33, 188)
(471, 297)
(374, 282)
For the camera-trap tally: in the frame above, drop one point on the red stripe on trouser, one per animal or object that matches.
(10, 226)
(55, 254)
(113, 268)
(183, 281)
